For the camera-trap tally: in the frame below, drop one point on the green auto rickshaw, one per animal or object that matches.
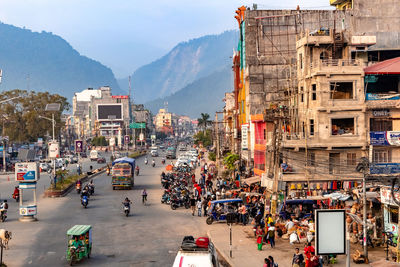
(79, 243)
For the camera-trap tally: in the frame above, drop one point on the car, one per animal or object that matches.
(101, 160)
(44, 167)
(154, 153)
(196, 252)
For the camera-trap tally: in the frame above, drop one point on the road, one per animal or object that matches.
(149, 237)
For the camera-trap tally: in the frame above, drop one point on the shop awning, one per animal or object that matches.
(390, 66)
(338, 196)
(252, 180)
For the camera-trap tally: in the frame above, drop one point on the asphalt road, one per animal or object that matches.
(149, 237)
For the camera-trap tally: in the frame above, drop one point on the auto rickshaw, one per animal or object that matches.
(79, 243)
(224, 205)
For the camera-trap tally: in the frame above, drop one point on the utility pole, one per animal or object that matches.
(217, 137)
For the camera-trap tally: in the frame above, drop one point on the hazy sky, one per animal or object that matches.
(125, 34)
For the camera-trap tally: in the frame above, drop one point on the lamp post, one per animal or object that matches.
(53, 107)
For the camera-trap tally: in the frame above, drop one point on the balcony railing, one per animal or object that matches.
(335, 63)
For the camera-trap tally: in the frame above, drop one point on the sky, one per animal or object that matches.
(126, 34)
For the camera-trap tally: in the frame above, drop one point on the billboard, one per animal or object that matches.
(78, 146)
(54, 150)
(330, 232)
(391, 138)
(27, 172)
(103, 111)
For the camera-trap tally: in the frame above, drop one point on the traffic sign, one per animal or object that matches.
(126, 139)
(78, 146)
(137, 125)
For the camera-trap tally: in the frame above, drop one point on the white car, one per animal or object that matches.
(191, 255)
(154, 153)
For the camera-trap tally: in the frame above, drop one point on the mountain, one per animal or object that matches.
(46, 62)
(184, 64)
(204, 95)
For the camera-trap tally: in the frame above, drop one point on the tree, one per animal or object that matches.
(204, 121)
(230, 161)
(21, 115)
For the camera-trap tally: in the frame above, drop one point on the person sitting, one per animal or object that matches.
(76, 243)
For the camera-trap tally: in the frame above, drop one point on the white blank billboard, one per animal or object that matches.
(330, 232)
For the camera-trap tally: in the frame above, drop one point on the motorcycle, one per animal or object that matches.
(78, 188)
(145, 161)
(153, 164)
(127, 209)
(3, 215)
(84, 201)
(163, 161)
(180, 202)
(91, 189)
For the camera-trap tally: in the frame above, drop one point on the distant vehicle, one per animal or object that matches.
(94, 155)
(122, 173)
(182, 148)
(101, 160)
(171, 154)
(59, 163)
(72, 158)
(199, 252)
(44, 167)
(154, 153)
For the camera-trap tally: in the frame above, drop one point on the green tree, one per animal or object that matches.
(230, 161)
(212, 156)
(21, 115)
(204, 138)
(204, 121)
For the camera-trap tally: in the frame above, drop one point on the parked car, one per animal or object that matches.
(44, 167)
(101, 160)
(154, 153)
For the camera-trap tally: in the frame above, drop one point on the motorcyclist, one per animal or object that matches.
(16, 193)
(127, 202)
(145, 161)
(3, 207)
(85, 192)
(108, 170)
(137, 170)
(91, 186)
(153, 163)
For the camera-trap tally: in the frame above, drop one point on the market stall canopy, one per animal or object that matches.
(252, 180)
(338, 196)
(390, 66)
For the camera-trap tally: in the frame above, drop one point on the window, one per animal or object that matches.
(311, 127)
(394, 214)
(311, 159)
(265, 134)
(334, 163)
(303, 129)
(382, 156)
(351, 159)
(380, 125)
(302, 97)
(323, 55)
(301, 60)
(341, 90)
(314, 92)
(343, 126)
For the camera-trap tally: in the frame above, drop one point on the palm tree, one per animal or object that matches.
(204, 121)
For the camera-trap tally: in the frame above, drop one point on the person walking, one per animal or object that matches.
(199, 206)
(259, 235)
(308, 250)
(272, 262)
(271, 235)
(298, 258)
(193, 204)
(267, 263)
(205, 204)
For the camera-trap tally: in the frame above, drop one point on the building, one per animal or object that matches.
(99, 113)
(163, 121)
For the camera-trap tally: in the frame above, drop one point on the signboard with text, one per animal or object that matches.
(126, 139)
(120, 96)
(390, 138)
(137, 125)
(54, 150)
(27, 172)
(245, 142)
(28, 210)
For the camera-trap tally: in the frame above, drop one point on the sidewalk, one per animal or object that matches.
(245, 253)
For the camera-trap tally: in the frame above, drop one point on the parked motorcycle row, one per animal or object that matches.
(176, 188)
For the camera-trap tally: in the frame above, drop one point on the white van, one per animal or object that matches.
(196, 256)
(94, 155)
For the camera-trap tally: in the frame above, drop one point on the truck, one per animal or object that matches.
(94, 155)
(123, 175)
(171, 153)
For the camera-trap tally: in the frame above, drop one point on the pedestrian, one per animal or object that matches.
(78, 169)
(205, 167)
(271, 235)
(267, 263)
(298, 258)
(243, 214)
(259, 235)
(272, 262)
(205, 203)
(193, 204)
(199, 206)
(308, 250)
(314, 261)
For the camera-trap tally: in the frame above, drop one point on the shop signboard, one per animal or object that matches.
(390, 138)
(153, 137)
(29, 210)
(126, 139)
(112, 141)
(27, 172)
(330, 232)
(27, 185)
(387, 198)
(54, 151)
(384, 168)
(141, 137)
(245, 141)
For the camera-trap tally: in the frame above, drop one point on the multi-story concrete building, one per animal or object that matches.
(163, 121)
(99, 113)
